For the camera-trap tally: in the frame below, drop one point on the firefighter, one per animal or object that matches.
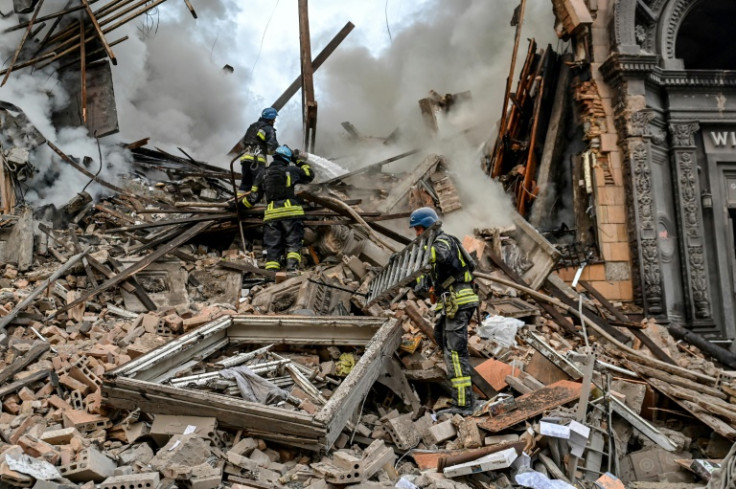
(282, 221)
(259, 141)
(450, 286)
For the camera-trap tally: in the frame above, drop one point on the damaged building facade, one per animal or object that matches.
(646, 157)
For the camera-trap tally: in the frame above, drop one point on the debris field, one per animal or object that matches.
(143, 345)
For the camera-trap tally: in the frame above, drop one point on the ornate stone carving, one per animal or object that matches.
(673, 25)
(623, 27)
(650, 267)
(684, 134)
(690, 218)
(640, 33)
(638, 124)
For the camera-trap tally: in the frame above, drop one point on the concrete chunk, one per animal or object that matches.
(59, 437)
(443, 431)
(165, 425)
(147, 480)
(183, 450)
(90, 466)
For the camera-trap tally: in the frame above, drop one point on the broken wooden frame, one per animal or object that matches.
(133, 385)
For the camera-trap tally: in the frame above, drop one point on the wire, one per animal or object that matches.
(388, 29)
(99, 151)
(263, 37)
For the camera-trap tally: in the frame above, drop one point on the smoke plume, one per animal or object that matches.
(170, 86)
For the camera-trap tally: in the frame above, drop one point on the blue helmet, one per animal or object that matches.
(424, 216)
(284, 152)
(269, 114)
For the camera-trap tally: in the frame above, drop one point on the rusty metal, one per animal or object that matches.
(534, 404)
(525, 194)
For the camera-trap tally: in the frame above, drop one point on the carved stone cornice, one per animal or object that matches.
(619, 65)
(694, 79)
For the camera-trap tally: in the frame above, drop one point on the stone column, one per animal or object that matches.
(627, 75)
(642, 218)
(690, 217)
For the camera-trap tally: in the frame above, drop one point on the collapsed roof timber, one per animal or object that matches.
(144, 347)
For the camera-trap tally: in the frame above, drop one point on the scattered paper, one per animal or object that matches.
(554, 430)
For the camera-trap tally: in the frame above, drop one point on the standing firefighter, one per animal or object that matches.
(282, 220)
(259, 141)
(450, 286)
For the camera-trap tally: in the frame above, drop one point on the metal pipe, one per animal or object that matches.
(243, 357)
(258, 369)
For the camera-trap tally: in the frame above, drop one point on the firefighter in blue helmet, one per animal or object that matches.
(283, 229)
(450, 286)
(259, 141)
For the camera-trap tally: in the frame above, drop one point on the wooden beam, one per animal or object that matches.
(45, 17)
(19, 384)
(38, 349)
(22, 42)
(373, 166)
(309, 104)
(86, 172)
(641, 335)
(191, 8)
(525, 189)
(8, 318)
(138, 266)
(83, 68)
(316, 63)
(279, 103)
(98, 30)
(496, 169)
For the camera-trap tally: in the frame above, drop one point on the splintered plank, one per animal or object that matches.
(680, 396)
(534, 404)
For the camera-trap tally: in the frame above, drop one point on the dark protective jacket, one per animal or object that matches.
(260, 138)
(277, 184)
(450, 272)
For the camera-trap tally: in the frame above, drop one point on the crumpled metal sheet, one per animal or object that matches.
(253, 387)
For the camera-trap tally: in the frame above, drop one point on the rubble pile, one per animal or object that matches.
(143, 347)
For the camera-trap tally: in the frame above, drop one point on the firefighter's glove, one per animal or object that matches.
(421, 287)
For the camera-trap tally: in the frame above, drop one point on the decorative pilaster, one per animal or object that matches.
(642, 206)
(683, 158)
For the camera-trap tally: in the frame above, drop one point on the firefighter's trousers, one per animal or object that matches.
(281, 235)
(452, 337)
(251, 167)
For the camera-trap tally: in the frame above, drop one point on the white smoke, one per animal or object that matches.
(170, 86)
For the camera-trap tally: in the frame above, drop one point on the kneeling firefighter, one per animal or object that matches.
(283, 228)
(450, 286)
